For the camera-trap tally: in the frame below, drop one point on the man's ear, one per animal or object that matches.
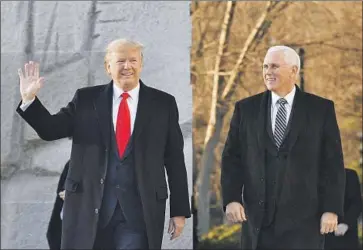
(294, 70)
(107, 67)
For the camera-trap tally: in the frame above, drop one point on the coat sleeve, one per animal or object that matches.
(175, 166)
(63, 177)
(332, 174)
(50, 127)
(231, 173)
(354, 197)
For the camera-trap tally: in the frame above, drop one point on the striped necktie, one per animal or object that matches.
(280, 122)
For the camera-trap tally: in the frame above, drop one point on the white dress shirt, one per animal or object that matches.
(132, 102)
(275, 107)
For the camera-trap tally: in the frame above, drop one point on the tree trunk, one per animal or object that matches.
(207, 163)
(212, 135)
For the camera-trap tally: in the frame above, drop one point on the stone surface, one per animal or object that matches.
(68, 39)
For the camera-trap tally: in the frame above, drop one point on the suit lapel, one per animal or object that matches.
(144, 109)
(103, 108)
(261, 131)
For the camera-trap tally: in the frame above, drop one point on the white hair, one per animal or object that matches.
(290, 55)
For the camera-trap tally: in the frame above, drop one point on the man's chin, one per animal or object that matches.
(270, 86)
(128, 84)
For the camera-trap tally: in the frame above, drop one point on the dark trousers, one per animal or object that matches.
(306, 235)
(118, 234)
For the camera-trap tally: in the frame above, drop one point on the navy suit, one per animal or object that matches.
(121, 205)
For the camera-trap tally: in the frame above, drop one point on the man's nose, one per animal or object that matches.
(268, 71)
(127, 64)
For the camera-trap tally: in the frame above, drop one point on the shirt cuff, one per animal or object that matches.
(25, 105)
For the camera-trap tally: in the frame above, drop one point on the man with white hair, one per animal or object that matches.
(282, 165)
(124, 136)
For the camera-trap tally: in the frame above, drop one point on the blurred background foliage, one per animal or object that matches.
(230, 40)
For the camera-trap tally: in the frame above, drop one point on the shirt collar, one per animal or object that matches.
(289, 97)
(134, 93)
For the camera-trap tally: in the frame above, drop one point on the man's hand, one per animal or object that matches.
(328, 223)
(176, 225)
(30, 82)
(62, 194)
(235, 212)
(341, 229)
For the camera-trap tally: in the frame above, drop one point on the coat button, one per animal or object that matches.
(96, 211)
(262, 179)
(260, 202)
(257, 229)
(101, 181)
(117, 186)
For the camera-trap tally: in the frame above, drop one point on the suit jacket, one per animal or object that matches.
(352, 210)
(314, 179)
(158, 145)
(54, 232)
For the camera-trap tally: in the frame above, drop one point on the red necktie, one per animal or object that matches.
(123, 126)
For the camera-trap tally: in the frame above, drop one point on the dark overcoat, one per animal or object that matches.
(314, 179)
(158, 146)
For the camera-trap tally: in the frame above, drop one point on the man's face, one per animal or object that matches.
(124, 66)
(278, 76)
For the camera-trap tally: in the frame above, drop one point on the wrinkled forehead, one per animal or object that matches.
(274, 57)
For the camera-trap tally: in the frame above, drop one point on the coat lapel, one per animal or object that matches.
(268, 121)
(261, 121)
(144, 109)
(298, 120)
(103, 108)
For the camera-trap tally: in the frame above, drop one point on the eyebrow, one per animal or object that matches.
(271, 64)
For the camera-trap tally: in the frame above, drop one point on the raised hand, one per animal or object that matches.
(30, 82)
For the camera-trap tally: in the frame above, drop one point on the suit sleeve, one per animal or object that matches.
(50, 127)
(175, 166)
(354, 197)
(231, 173)
(332, 173)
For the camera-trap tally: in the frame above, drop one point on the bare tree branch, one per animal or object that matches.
(245, 47)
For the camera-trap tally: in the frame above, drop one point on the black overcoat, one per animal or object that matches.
(314, 179)
(158, 146)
